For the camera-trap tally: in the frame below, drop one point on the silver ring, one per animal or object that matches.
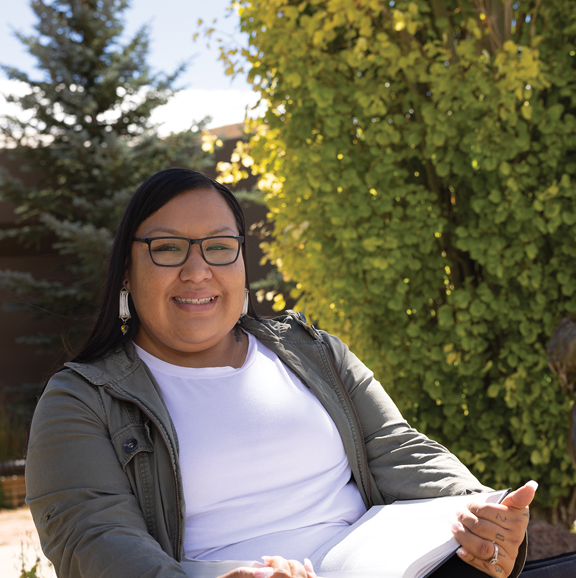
(494, 559)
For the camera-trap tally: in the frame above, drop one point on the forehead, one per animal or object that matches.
(196, 213)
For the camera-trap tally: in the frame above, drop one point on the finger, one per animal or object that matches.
(479, 551)
(309, 568)
(280, 565)
(488, 529)
(297, 569)
(522, 497)
(501, 517)
(498, 570)
(265, 572)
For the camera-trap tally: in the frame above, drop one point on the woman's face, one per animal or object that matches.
(189, 309)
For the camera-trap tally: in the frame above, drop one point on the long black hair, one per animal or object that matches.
(152, 195)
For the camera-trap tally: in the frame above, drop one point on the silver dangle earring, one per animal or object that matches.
(124, 309)
(246, 301)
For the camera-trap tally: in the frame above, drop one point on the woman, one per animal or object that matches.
(189, 427)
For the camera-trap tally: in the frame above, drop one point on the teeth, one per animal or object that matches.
(194, 301)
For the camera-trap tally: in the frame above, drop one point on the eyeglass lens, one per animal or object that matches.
(216, 250)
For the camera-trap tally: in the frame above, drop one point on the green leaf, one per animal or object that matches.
(493, 390)
(445, 318)
(531, 251)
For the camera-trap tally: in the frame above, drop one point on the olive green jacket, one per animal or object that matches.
(102, 472)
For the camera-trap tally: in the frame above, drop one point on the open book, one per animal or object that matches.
(407, 539)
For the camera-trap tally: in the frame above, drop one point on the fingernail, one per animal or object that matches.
(267, 559)
(461, 552)
(262, 572)
(308, 565)
(456, 527)
(533, 483)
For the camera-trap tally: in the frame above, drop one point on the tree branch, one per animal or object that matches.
(507, 20)
(440, 11)
(533, 23)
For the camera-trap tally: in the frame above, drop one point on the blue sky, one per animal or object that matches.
(172, 24)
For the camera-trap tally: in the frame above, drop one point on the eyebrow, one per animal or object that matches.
(161, 229)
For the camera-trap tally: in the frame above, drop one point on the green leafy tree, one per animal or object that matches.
(85, 130)
(418, 159)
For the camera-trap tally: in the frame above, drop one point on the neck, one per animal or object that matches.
(228, 352)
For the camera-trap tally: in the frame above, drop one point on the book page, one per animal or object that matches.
(406, 539)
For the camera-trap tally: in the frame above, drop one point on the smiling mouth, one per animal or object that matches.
(194, 301)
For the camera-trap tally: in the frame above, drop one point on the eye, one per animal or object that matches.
(166, 247)
(161, 246)
(219, 245)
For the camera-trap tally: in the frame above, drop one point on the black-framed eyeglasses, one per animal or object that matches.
(173, 251)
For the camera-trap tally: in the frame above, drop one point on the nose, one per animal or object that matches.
(195, 268)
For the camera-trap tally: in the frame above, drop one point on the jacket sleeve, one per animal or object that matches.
(88, 519)
(404, 464)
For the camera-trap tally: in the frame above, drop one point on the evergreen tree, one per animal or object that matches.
(91, 140)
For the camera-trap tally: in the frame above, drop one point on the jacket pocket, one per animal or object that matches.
(129, 441)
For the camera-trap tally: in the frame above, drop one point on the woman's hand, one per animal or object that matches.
(490, 534)
(276, 567)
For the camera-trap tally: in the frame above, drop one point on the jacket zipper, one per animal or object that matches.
(301, 320)
(179, 536)
(366, 481)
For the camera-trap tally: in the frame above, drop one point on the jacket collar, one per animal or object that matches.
(112, 369)
(115, 369)
(291, 326)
